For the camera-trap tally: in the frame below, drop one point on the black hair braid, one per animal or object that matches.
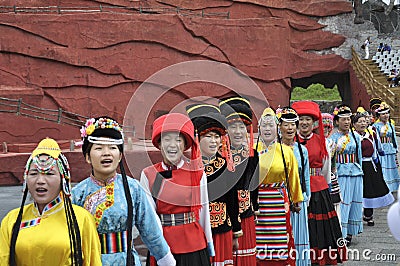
(15, 230)
(72, 223)
(74, 232)
(129, 223)
(354, 136)
(284, 166)
(302, 175)
(393, 135)
(71, 242)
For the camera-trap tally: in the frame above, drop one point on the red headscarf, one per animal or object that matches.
(312, 109)
(176, 122)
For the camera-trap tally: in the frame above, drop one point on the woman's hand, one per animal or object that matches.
(235, 244)
(296, 207)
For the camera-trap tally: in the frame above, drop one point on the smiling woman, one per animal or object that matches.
(177, 190)
(45, 234)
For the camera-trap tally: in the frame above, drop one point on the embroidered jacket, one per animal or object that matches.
(387, 136)
(348, 158)
(224, 206)
(109, 208)
(246, 179)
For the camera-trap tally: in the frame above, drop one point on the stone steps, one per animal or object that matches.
(377, 85)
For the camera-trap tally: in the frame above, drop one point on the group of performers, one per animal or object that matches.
(292, 196)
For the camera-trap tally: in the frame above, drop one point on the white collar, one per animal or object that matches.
(308, 137)
(179, 165)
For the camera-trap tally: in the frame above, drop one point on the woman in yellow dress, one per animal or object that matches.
(279, 193)
(50, 231)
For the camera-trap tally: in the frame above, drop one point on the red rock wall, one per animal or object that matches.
(92, 62)
(359, 95)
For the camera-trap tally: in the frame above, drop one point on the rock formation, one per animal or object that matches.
(89, 58)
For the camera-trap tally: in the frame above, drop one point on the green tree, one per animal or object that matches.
(316, 92)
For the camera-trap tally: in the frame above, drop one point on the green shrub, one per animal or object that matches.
(316, 92)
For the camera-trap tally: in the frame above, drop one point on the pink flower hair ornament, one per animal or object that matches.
(102, 123)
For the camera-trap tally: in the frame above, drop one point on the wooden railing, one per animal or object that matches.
(59, 116)
(113, 9)
(375, 88)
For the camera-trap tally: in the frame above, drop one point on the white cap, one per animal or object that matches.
(393, 218)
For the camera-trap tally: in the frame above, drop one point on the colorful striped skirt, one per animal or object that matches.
(246, 254)
(273, 230)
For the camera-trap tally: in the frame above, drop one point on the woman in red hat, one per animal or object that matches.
(323, 223)
(177, 189)
(239, 115)
(211, 127)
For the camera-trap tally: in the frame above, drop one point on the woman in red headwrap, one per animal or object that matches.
(177, 189)
(323, 223)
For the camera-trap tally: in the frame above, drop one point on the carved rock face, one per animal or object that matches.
(91, 63)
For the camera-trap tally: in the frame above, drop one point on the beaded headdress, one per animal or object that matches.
(342, 111)
(383, 108)
(55, 159)
(327, 120)
(287, 114)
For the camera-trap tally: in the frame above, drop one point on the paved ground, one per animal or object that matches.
(374, 243)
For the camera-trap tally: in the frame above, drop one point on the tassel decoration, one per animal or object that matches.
(226, 153)
(251, 142)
